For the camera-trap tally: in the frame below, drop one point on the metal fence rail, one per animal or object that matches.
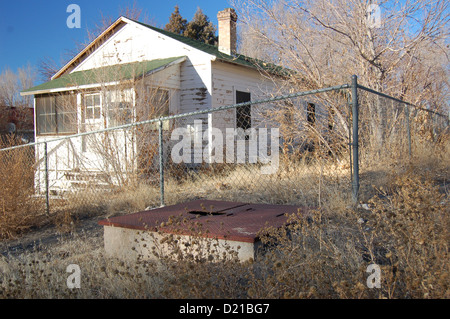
(91, 169)
(392, 130)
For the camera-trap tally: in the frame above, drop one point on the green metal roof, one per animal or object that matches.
(127, 71)
(118, 72)
(213, 50)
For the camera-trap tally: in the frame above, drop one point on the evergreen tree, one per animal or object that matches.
(176, 22)
(201, 29)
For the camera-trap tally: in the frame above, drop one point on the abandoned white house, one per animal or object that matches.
(135, 72)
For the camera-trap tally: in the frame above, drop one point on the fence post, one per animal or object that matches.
(47, 199)
(355, 141)
(350, 143)
(408, 130)
(161, 162)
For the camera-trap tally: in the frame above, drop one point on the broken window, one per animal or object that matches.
(243, 113)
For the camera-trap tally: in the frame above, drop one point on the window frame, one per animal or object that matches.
(93, 119)
(243, 117)
(163, 111)
(52, 126)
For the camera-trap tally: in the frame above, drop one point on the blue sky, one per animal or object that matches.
(31, 30)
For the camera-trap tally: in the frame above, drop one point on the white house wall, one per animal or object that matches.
(226, 80)
(168, 79)
(198, 83)
(136, 43)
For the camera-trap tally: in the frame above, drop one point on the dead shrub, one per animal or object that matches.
(411, 222)
(19, 210)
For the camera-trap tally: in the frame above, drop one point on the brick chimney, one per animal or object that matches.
(227, 31)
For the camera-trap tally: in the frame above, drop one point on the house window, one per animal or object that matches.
(243, 113)
(119, 113)
(45, 115)
(93, 107)
(56, 114)
(159, 102)
(156, 105)
(119, 105)
(66, 113)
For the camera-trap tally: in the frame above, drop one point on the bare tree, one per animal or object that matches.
(11, 83)
(401, 51)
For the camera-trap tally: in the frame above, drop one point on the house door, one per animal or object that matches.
(91, 120)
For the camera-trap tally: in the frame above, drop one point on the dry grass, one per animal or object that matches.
(404, 230)
(19, 210)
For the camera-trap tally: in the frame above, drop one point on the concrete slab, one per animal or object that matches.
(226, 226)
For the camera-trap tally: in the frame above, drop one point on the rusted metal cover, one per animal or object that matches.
(213, 219)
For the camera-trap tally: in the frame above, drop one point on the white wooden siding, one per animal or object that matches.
(135, 43)
(226, 80)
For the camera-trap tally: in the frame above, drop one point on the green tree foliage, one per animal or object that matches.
(201, 29)
(176, 22)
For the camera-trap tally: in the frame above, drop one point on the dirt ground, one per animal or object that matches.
(50, 235)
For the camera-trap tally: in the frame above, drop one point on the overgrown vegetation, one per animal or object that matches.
(402, 221)
(18, 207)
(403, 228)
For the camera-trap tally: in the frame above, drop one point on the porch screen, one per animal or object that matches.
(66, 113)
(56, 114)
(45, 115)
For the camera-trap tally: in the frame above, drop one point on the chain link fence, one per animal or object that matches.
(392, 133)
(297, 148)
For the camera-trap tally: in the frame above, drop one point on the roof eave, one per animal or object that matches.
(70, 88)
(88, 47)
(253, 67)
(94, 85)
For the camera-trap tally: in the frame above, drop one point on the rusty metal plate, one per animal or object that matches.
(213, 219)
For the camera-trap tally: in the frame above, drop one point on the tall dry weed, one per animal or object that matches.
(410, 222)
(19, 210)
(403, 229)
